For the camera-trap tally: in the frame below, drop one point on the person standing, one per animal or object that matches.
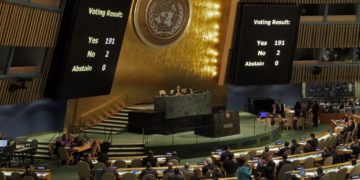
(315, 111)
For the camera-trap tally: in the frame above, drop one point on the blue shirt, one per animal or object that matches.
(243, 173)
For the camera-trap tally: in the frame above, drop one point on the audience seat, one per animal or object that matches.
(99, 165)
(309, 163)
(136, 163)
(64, 156)
(108, 176)
(83, 170)
(341, 174)
(355, 171)
(328, 161)
(2, 176)
(28, 178)
(325, 177)
(15, 176)
(149, 177)
(120, 164)
(283, 170)
(332, 175)
(128, 176)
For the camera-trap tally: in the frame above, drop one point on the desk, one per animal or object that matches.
(79, 149)
(160, 158)
(43, 175)
(160, 170)
(184, 105)
(310, 173)
(275, 148)
(20, 151)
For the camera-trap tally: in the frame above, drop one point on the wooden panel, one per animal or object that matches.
(302, 1)
(341, 35)
(25, 26)
(330, 73)
(28, 27)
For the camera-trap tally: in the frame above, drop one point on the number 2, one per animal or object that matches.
(107, 54)
(278, 52)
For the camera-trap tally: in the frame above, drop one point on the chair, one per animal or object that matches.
(136, 163)
(188, 175)
(108, 176)
(99, 165)
(166, 176)
(149, 177)
(83, 170)
(355, 171)
(30, 155)
(2, 176)
(15, 176)
(298, 150)
(64, 156)
(328, 161)
(348, 138)
(175, 162)
(7, 155)
(128, 176)
(120, 164)
(283, 170)
(341, 174)
(52, 151)
(288, 152)
(300, 123)
(252, 153)
(21, 140)
(28, 178)
(288, 124)
(325, 177)
(309, 163)
(332, 175)
(295, 163)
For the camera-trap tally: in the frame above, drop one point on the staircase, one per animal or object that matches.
(122, 150)
(113, 125)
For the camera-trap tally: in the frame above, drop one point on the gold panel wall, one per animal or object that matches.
(142, 71)
(27, 27)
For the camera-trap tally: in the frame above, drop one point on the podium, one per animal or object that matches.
(221, 124)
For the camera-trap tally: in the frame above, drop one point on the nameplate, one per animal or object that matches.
(230, 125)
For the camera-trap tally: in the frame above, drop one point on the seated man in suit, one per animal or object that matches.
(208, 166)
(170, 169)
(285, 148)
(30, 171)
(110, 169)
(294, 146)
(282, 163)
(148, 170)
(311, 144)
(177, 175)
(173, 156)
(150, 159)
(186, 169)
(226, 154)
(355, 147)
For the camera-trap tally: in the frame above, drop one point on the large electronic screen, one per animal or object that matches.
(88, 48)
(264, 44)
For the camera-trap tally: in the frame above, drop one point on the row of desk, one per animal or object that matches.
(259, 150)
(42, 175)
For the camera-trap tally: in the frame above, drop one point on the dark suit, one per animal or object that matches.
(148, 171)
(176, 177)
(312, 145)
(208, 167)
(267, 170)
(281, 164)
(294, 147)
(224, 155)
(282, 150)
(230, 167)
(32, 174)
(315, 110)
(152, 161)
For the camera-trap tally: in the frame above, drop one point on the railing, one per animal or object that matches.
(183, 136)
(103, 111)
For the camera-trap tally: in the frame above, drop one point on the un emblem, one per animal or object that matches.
(160, 23)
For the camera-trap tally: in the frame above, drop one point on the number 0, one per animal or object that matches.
(276, 63)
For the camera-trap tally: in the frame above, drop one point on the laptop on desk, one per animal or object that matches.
(3, 143)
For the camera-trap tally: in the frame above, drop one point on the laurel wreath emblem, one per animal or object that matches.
(168, 32)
